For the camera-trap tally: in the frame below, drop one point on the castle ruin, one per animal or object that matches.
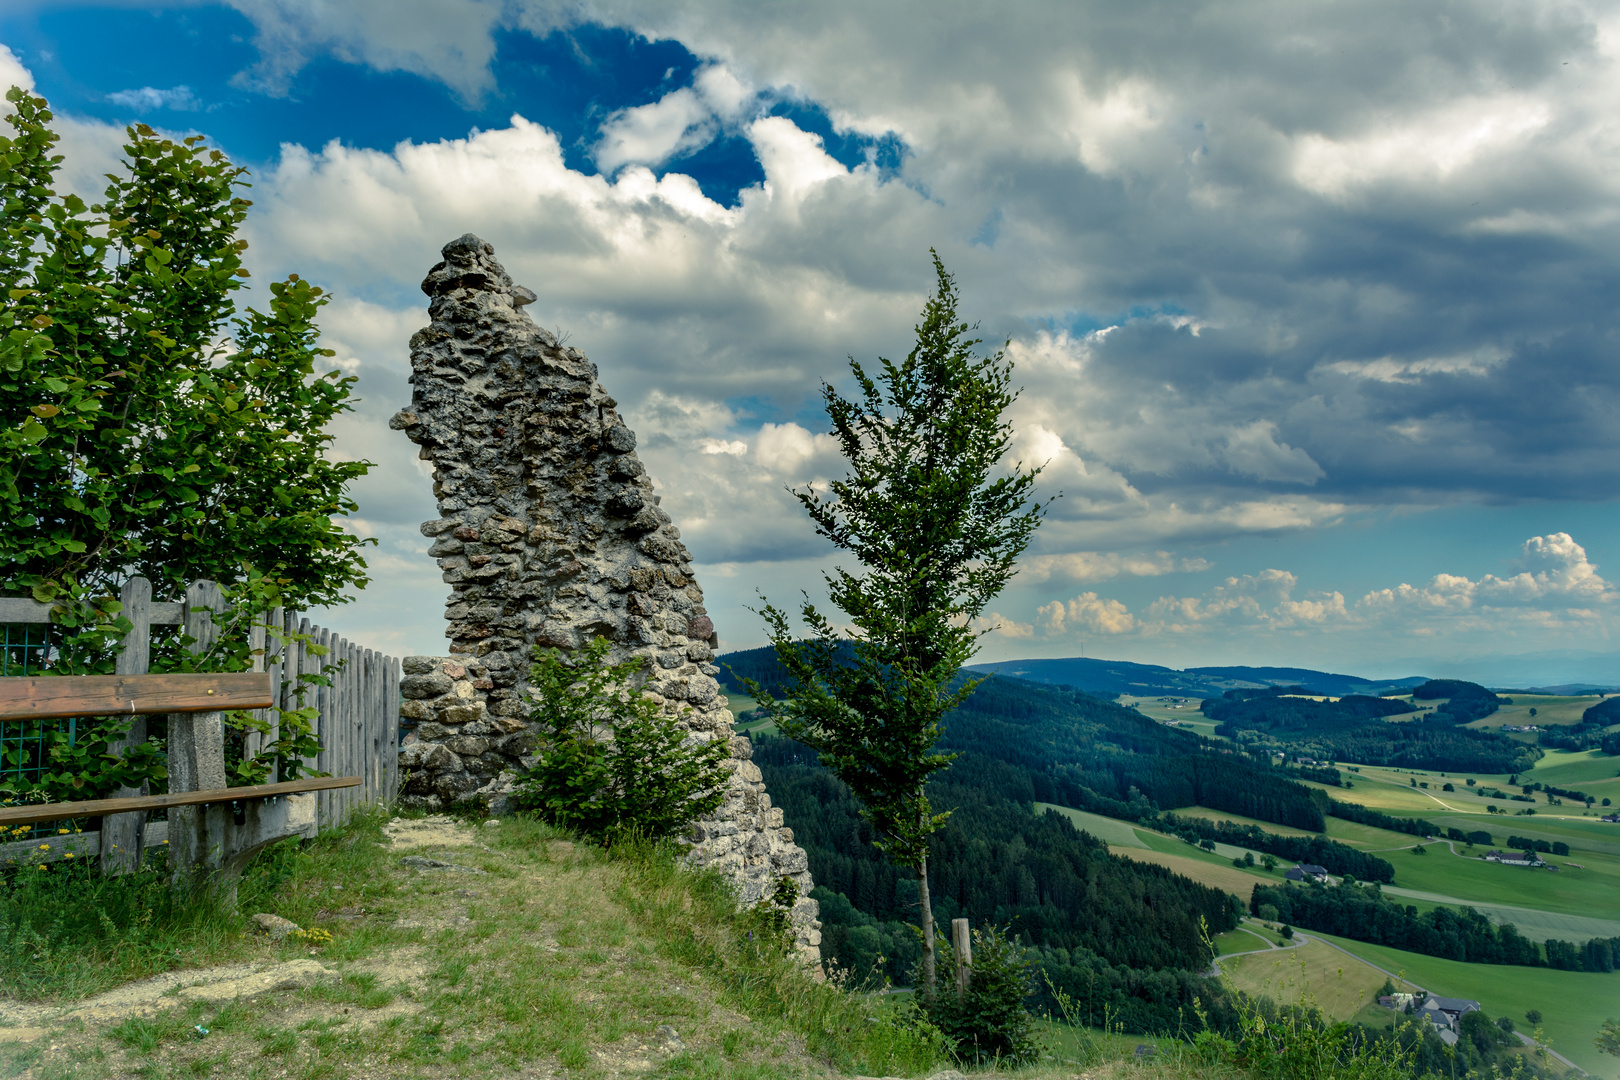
(549, 534)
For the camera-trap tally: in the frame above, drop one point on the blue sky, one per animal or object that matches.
(1314, 306)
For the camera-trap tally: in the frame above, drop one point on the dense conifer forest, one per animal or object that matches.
(1130, 934)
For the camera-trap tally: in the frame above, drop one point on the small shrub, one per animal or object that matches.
(1286, 931)
(613, 763)
(989, 1024)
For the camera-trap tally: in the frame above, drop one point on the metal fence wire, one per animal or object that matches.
(24, 743)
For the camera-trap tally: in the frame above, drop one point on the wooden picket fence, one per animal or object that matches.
(358, 721)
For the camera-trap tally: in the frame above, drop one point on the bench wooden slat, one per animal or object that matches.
(27, 815)
(45, 697)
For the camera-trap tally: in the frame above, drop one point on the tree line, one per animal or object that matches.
(1363, 914)
(1331, 855)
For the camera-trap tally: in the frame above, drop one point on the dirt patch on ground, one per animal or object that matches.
(437, 830)
(234, 982)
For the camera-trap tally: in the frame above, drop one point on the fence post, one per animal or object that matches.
(196, 742)
(123, 835)
(962, 945)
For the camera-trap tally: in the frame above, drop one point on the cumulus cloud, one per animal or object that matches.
(1262, 268)
(1087, 612)
(1557, 587)
(150, 99)
(1555, 573)
(675, 124)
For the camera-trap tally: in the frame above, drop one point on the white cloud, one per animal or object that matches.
(12, 73)
(1087, 612)
(448, 40)
(1105, 565)
(1253, 450)
(785, 448)
(675, 124)
(1556, 573)
(150, 99)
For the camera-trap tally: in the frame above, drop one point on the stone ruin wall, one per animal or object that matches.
(550, 534)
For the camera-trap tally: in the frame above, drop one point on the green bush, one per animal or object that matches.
(989, 1023)
(613, 763)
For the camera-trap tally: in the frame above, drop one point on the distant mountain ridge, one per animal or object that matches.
(1116, 677)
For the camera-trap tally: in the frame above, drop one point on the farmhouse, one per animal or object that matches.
(1306, 872)
(1513, 858)
(1446, 1012)
(1610, 817)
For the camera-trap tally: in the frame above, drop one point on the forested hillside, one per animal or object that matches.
(1101, 924)
(1354, 729)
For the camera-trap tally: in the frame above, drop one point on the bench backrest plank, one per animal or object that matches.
(55, 697)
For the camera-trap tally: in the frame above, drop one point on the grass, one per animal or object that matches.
(1242, 940)
(1587, 891)
(1221, 815)
(1572, 1003)
(1533, 924)
(1551, 710)
(1227, 878)
(1341, 986)
(1111, 831)
(559, 956)
(1186, 716)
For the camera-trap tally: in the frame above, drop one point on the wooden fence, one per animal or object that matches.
(358, 714)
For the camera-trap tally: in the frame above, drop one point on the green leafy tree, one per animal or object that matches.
(1608, 1037)
(937, 523)
(612, 763)
(145, 427)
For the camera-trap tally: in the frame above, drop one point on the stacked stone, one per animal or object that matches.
(550, 535)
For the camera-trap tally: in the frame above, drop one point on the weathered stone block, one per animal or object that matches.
(429, 685)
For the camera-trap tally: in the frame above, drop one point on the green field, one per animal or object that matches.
(1572, 1003)
(1185, 713)
(1340, 985)
(1533, 924)
(1111, 831)
(1550, 711)
(1239, 941)
(1221, 815)
(1368, 837)
(1589, 891)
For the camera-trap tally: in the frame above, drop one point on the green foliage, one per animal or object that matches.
(938, 538)
(1608, 1037)
(613, 763)
(131, 440)
(989, 1024)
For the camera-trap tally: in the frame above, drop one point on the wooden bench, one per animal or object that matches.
(206, 838)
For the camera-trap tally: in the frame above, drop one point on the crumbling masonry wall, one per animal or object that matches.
(549, 534)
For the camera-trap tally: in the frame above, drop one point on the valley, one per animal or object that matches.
(1135, 777)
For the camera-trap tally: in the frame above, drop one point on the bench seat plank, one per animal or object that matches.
(35, 812)
(45, 697)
